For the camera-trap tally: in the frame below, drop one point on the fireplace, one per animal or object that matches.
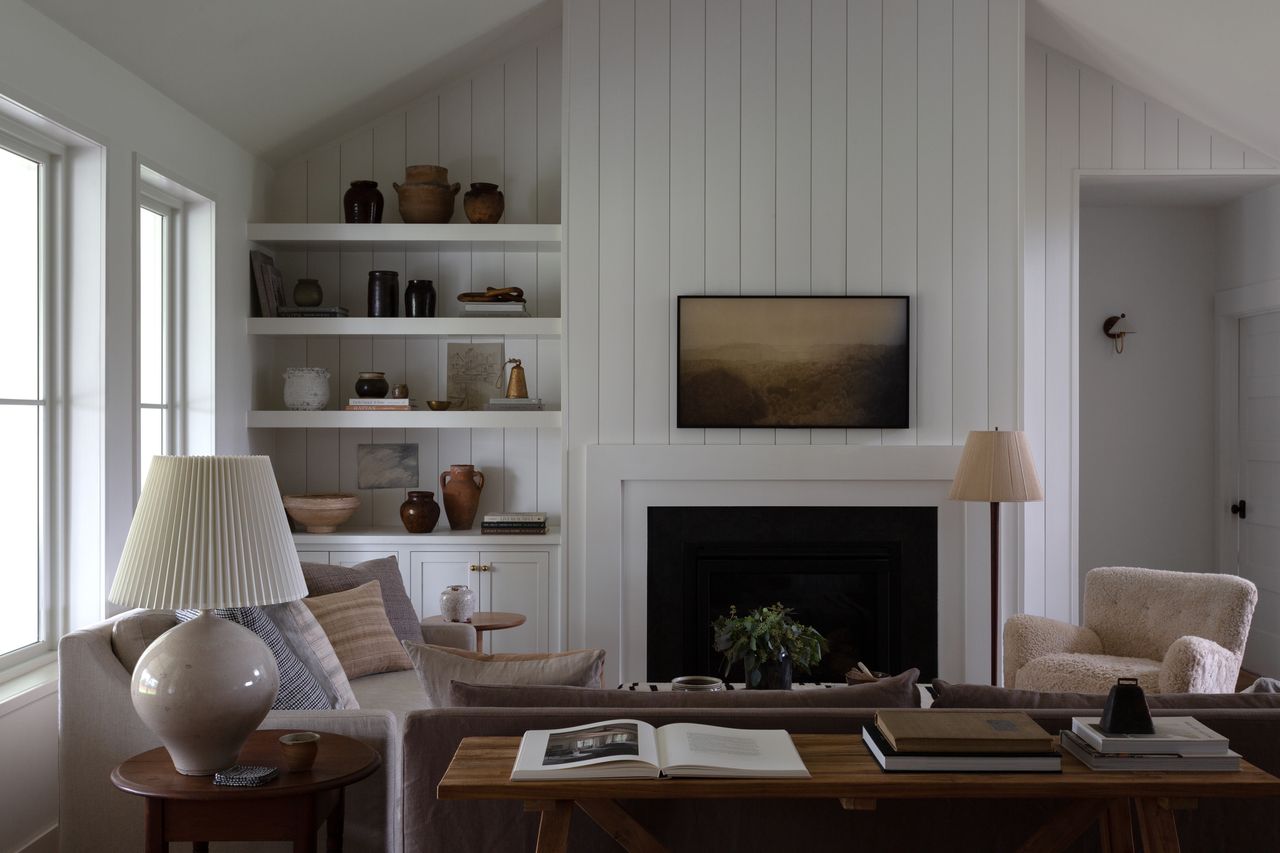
(865, 577)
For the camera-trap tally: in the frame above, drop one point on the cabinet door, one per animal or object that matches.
(313, 556)
(519, 582)
(351, 558)
(434, 570)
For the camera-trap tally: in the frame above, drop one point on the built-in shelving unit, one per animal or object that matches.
(542, 327)
(345, 537)
(264, 419)
(398, 236)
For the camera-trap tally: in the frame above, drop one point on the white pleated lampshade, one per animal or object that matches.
(208, 532)
(997, 467)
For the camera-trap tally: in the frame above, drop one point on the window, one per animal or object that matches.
(24, 394)
(159, 230)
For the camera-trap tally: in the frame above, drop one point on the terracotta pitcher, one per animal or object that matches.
(460, 488)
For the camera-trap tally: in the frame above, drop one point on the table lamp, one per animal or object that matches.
(996, 467)
(209, 532)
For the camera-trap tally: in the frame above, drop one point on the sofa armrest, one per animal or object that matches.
(1198, 665)
(1028, 637)
(455, 635)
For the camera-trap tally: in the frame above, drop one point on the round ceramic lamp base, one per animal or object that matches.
(202, 688)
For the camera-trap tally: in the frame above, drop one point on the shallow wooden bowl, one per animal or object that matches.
(320, 513)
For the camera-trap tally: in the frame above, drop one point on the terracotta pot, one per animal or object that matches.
(426, 196)
(484, 204)
(420, 512)
(362, 203)
(460, 488)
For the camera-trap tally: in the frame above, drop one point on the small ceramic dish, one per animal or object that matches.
(299, 750)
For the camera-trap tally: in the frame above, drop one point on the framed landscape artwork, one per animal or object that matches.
(793, 362)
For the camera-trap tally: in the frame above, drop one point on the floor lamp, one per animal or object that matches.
(996, 467)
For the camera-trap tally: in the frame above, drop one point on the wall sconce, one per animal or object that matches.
(1116, 328)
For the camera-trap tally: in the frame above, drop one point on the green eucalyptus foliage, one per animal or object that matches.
(764, 635)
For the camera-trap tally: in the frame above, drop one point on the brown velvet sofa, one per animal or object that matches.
(432, 826)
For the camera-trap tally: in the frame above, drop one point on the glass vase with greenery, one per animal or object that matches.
(769, 642)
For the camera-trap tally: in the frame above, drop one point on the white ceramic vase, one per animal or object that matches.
(306, 389)
(457, 603)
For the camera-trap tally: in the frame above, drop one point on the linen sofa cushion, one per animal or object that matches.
(895, 692)
(300, 690)
(986, 696)
(438, 666)
(357, 626)
(324, 579)
(134, 631)
(307, 639)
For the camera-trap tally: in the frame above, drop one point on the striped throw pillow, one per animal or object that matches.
(357, 626)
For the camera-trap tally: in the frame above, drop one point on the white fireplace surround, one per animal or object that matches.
(608, 573)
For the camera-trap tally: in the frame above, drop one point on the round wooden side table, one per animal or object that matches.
(485, 620)
(290, 807)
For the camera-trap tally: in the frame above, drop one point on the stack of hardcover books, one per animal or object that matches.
(379, 404)
(528, 523)
(515, 404)
(313, 312)
(960, 741)
(494, 309)
(1178, 744)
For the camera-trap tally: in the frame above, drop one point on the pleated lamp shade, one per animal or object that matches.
(996, 467)
(208, 532)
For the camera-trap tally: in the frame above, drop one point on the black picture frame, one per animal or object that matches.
(891, 404)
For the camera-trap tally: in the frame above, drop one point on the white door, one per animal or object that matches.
(519, 583)
(1258, 526)
(435, 570)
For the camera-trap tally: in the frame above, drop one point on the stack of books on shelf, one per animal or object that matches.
(515, 404)
(313, 312)
(1178, 744)
(527, 523)
(495, 309)
(380, 404)
(925, 739)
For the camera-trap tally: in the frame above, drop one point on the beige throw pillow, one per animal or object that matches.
(439, 666)
(357, 627)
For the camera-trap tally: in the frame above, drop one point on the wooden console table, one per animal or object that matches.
(843, 770)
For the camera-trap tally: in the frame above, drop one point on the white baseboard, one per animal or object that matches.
(45, 842)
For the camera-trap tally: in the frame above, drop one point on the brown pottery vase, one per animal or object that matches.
(483, 204)
(420, 512)
(460, 489)
(426, 196)
(362, 203)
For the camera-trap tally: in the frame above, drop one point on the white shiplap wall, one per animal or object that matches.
(1078, 118)
(502, 124)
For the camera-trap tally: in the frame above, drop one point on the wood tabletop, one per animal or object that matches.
(841, 768)
(339, 761)
(487, 620)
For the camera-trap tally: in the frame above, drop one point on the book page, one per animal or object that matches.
(555, 752)
(752, 752)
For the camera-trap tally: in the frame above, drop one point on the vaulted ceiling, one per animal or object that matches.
(278, 76)
(1214, 60)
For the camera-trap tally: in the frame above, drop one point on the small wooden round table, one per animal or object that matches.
(290, 807)
(485, 620)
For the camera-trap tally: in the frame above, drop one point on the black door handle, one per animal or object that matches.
(1241, 509)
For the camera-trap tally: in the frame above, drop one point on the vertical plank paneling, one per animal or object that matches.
(289, 192)
(1061, 157)
(548, 147)
(1095, 120)
(688, 160)
(455, 155)
(1225, 153)
(793, 175)
(1257, 160)
(1193, 144)
(940, 25)
(968, 322)
(1128, 123)
(488, 145)
(828, 179)
(617, 221)
(389, 137)
(899, 165)
(864, 182)
(1161, 137)
(1033, 321)
(652, 296)
(520, 167)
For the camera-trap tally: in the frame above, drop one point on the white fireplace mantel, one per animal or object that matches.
(608, 579)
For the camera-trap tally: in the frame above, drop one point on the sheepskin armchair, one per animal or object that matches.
(1176, 632)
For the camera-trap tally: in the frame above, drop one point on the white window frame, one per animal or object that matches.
(50, 154)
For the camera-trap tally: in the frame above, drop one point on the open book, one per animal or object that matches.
(630, 749)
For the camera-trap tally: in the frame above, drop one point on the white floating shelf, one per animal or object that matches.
(262, 419)
(371, 538)
(331, 235)
(406, 326)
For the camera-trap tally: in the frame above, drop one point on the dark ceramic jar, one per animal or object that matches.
(307, 293)
(384, 293)
(372, 384)
(420, 512)
(420, 298)
(483, 204)
(362, 203)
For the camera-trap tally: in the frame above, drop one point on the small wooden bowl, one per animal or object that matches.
(321, 513)
(299, 749)
(439, 405)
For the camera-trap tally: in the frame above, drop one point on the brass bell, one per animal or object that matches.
(517, 388)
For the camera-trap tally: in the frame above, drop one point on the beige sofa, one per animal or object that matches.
(98, 729)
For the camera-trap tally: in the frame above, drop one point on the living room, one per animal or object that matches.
(996, 180)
